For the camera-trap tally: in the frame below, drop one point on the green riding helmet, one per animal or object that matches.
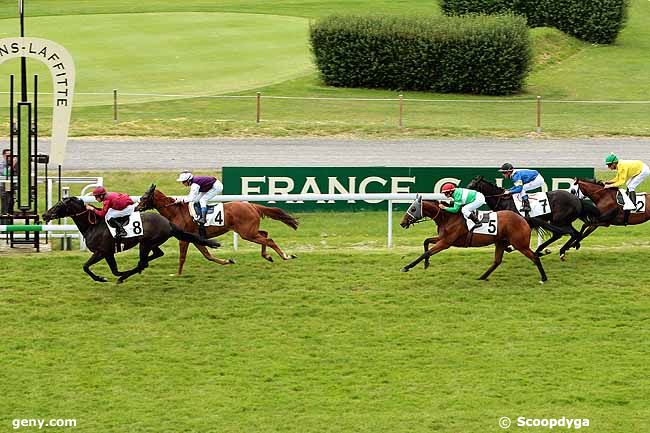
(611, 159)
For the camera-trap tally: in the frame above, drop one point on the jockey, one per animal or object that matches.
(115, 205)
(631, 172)
(465, 200)
(523, 181)
(202, 189)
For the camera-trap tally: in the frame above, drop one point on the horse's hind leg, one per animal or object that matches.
(498, 258)
(96, 257)
(271, 243)
(575, 238)
(539, 252)
(207, 255)
(182, 248)
(538, 262)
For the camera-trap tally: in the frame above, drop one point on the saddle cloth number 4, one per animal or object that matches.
(133, 229)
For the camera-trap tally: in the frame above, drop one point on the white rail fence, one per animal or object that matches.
(294, 198)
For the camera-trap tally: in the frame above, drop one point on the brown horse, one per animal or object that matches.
(605, 200)
(512, 229)
(241, 217)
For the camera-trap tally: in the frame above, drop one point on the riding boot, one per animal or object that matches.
(118, 225)
(204, 215)
(525, 204)
(474, 217)
(632, 195)
(202, 232)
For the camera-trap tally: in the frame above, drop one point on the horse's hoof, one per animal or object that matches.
(404, 269)
(293, 256)
(232, 261)
(563, 257)
(547, 251)
(119, 281)
(101, 280)
(426, 265)
(542, 282)
(269, 258)
(577, 247)
(508, 250)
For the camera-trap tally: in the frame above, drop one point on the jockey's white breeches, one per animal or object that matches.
(114, 213)
(636, 180)
(538, 182)
(471, 207)
(205, 197)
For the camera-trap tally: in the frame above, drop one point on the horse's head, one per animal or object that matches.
(146, 199)
(586, 187)
(413, 213)
(69, 206)
(475, 182)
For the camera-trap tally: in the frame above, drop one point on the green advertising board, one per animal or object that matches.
(359, 180)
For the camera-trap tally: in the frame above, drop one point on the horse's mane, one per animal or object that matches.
(591, 180)
(163, 199)
(481, 179)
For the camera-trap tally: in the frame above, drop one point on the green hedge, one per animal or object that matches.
(597, 21)
(471, 54)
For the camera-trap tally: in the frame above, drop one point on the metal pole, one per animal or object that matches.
(235, 241)
(401, 110)
(390, 224)
(259, 107)
(539, 114)
(114, 105)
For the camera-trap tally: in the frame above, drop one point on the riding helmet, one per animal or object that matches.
(506, 167)
(611, 159)
(100, 190)
(448, 187)
(184, 176)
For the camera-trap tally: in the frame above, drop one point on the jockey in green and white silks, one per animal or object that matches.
(523, 180)
(467, 201)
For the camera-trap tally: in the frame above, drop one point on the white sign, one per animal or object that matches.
(133, 228)
(487, 227)
(61, 66)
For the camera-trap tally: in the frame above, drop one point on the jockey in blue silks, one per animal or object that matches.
(523, 181)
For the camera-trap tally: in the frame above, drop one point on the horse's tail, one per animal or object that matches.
(589, 213)
(544, 227)
(277, 214)
(189, 237)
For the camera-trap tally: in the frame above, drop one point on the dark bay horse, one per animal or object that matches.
(241, 217)
(564, 207)
(156, 230)
(512, 229)
(605, 200)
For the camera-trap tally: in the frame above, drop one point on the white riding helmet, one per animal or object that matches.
(184, 176)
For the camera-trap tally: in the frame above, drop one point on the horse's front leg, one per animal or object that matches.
(426, 244)
(110, 259)
(439, 246)
(96, 257)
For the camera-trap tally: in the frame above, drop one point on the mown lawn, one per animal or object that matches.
(337, 340)
(240, 48)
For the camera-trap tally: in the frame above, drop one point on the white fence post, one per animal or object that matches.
(390, 224)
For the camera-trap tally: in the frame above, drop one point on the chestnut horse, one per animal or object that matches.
(605, 200)
(241, 217)
(512, 229)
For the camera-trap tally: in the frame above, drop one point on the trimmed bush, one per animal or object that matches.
(472, 54)
(597, 21)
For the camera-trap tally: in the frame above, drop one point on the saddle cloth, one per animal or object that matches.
(639, 206)
(490, 223)
(133, 228)
(215, 215)
(538, 204)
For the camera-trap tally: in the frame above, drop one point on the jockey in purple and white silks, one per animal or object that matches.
(523, 181)
(202, 189)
